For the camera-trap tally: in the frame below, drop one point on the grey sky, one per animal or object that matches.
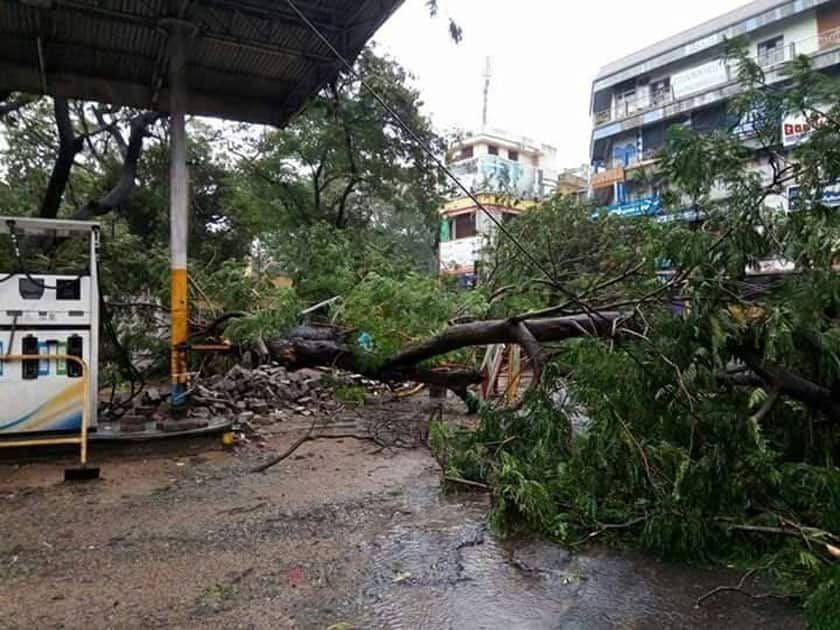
(545, 54)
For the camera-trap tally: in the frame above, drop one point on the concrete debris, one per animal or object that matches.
(249, 398)
(263, 395)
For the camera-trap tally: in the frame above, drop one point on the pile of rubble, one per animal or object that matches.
(263, 395)
(250, 398)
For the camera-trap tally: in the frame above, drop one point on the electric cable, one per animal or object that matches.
(21, 268)
(137, 383)
(426, 149)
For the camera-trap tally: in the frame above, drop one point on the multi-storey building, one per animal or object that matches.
(508, 175)
(684, 80)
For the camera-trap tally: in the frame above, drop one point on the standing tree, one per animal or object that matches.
(345, 164)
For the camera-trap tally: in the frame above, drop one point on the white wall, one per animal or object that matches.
(480, 149)
(461, 253)
(802, 30)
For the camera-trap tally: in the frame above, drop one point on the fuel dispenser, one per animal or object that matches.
(53, 318)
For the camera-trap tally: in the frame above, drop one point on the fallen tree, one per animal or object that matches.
(309, 346)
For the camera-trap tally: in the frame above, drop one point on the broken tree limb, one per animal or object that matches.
(485, 333)
(789, 384)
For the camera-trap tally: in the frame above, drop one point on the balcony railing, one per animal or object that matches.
(625, 108)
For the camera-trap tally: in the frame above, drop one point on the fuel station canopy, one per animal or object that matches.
(246, 60)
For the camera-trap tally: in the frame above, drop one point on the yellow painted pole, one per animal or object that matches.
(179, 216)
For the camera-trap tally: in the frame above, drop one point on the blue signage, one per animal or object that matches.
(645, 207)
(830, 196)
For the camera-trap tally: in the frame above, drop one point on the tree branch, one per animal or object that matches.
(125, 185)
(500, 331)
(789, 384)
(532, 348)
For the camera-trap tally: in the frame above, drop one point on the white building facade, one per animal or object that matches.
(508, 175)
(683, 80)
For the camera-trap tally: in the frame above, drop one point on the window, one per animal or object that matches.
(660, 91)
(466, 153)
(625, 102)
(771, 51)
(493, 149)
(624, 155)
(464, 225)
(513, 156)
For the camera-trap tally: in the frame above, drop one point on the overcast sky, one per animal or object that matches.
(545, 55)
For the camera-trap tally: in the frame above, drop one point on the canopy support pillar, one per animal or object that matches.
(179, 216)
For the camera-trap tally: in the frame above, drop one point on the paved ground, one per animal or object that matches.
(341, 535)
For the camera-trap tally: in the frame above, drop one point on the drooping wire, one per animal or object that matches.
(425, 148)
(135, 378)
(22, 268)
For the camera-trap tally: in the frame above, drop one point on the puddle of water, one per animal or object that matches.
(446, 570)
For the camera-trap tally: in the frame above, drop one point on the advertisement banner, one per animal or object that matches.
(797, 127)
(699, 79)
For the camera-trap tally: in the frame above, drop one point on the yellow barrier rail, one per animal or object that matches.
(82, 438)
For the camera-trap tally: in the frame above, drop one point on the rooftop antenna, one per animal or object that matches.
(487, 74)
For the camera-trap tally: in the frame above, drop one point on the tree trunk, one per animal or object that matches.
(487, 333)
(326, 346)
(68, 146)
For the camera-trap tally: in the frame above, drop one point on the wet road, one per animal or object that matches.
(339, 536)
(447, 570)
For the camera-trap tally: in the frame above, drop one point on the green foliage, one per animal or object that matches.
(326, 261)
(579, 251)
(277, 312)
(677, 456)
(822, 607)
(271, 309)
(396, 310)
(342, 163)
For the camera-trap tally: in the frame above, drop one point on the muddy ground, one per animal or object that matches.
(341, 535)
